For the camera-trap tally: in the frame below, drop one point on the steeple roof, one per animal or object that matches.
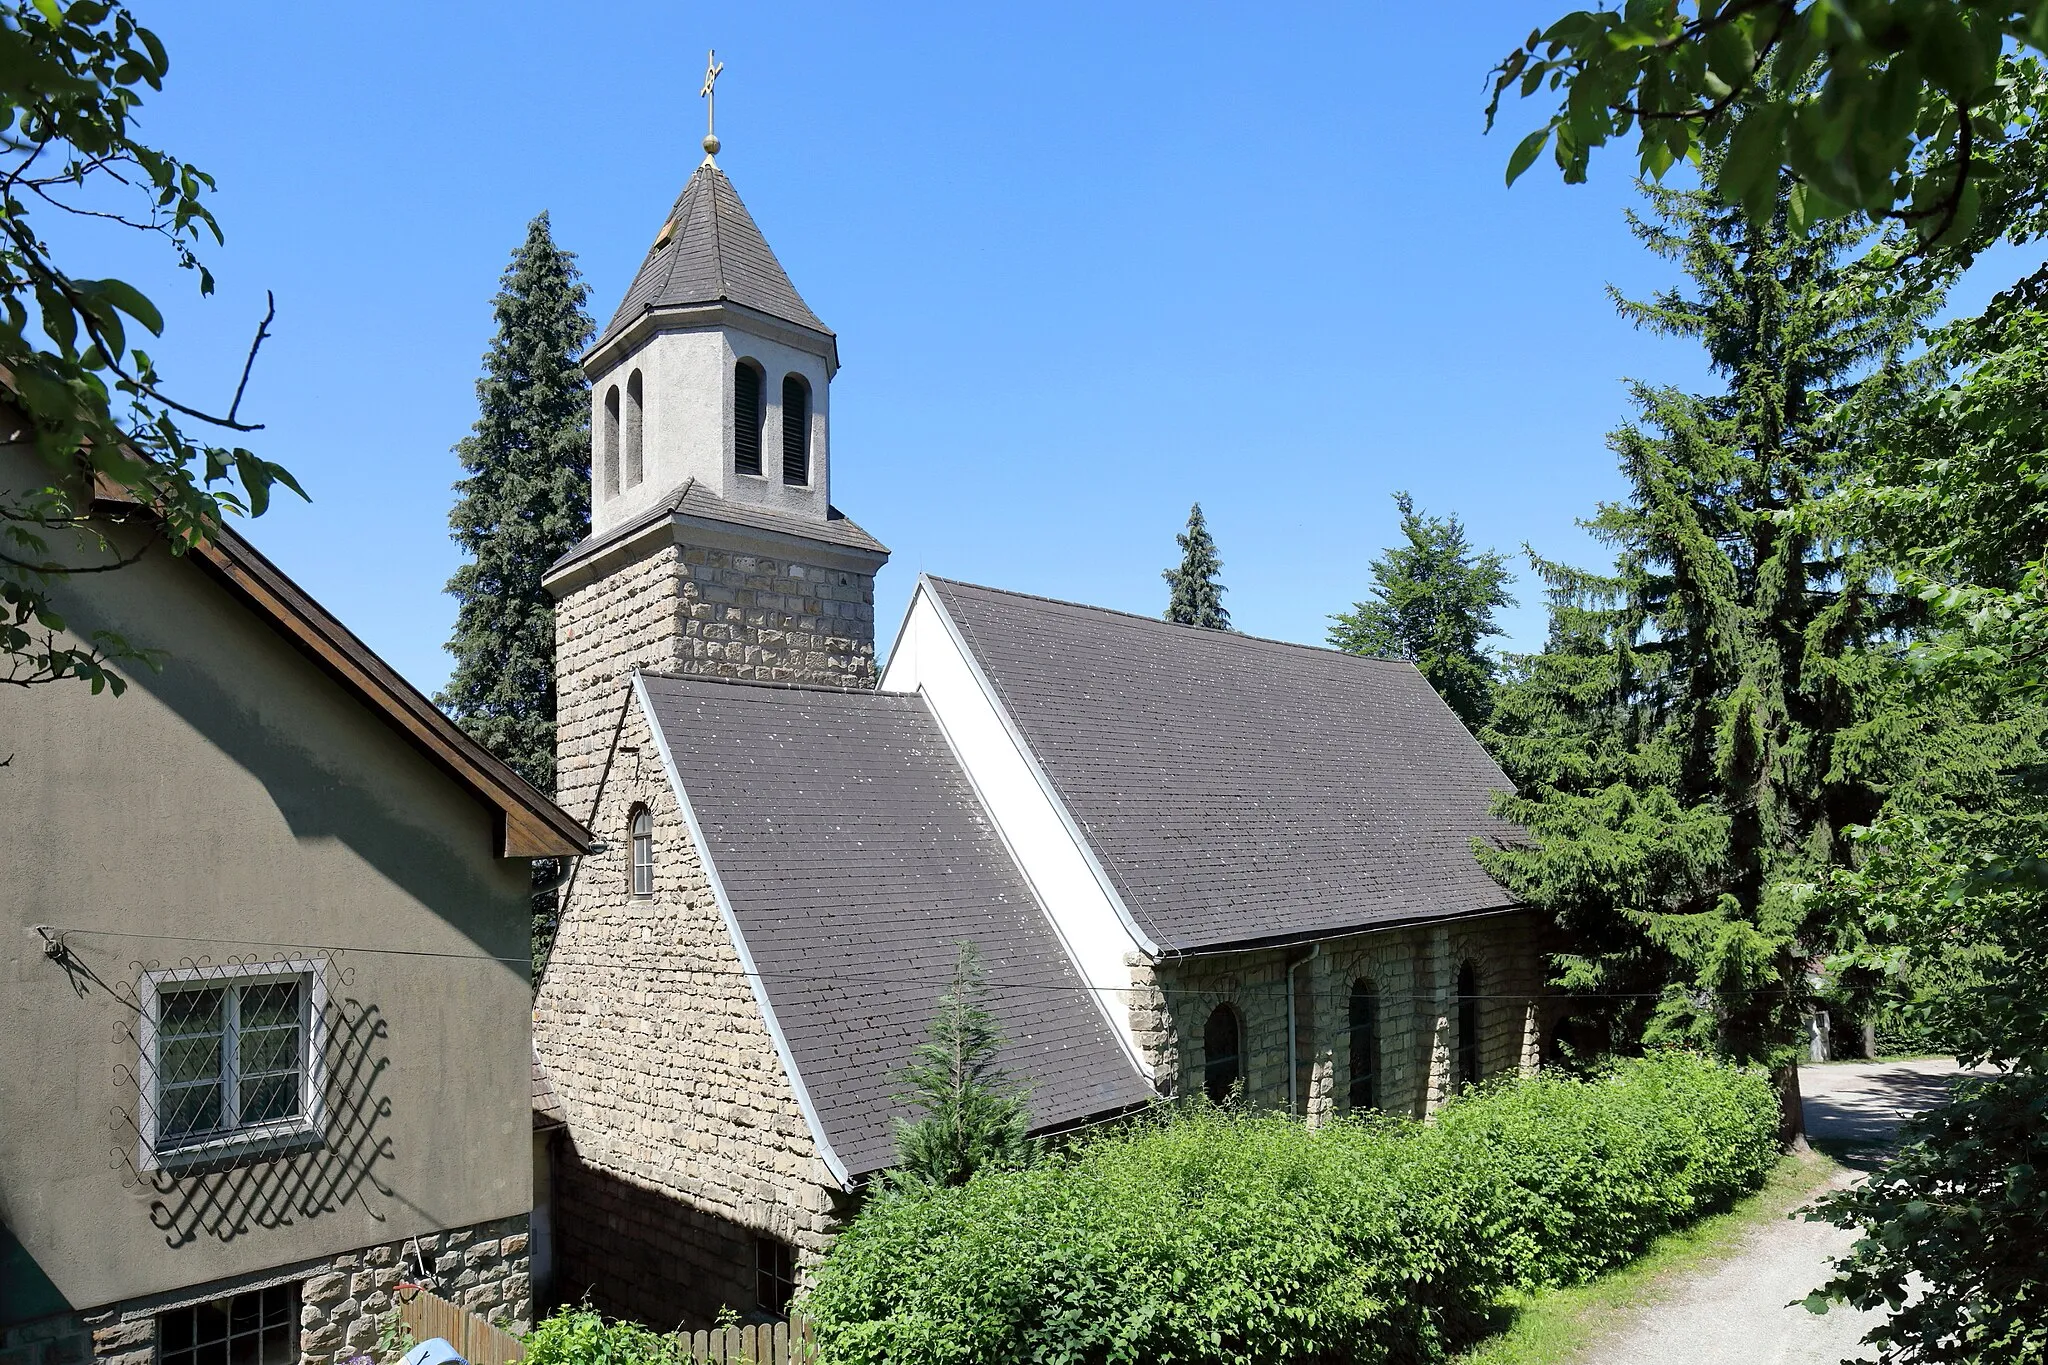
(710, 251)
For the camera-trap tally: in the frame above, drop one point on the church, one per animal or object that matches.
(1192, 862)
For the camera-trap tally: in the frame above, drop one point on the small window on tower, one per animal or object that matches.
(608, 452)
(796, 430)
(643, 852)
(634, 470)
(746, 417)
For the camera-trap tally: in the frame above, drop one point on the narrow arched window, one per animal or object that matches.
(643, 852)
(1468, 1025)
(1222, 1053)
(608, 456)
(1365, 1045)
(746, 417)
(635, 469)
(796, 430)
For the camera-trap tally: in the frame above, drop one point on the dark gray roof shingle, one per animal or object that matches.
(1239, 790)
(712, 252)
(856, 857)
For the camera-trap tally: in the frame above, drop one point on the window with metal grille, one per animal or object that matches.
(1222, 1053)
(796, 429)
(1365, 1045)
(746, 417)
(608, 453)
(260, 1327)
(774, 1274)
(643, 852)
(230, 1056)
(635, 469)
(1468, 1025)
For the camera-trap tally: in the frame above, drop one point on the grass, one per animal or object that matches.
(1553, 1326)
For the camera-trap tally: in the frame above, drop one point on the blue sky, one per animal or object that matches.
(1088, 264)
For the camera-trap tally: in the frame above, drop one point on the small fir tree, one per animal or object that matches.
(1197, 598)
(525, 501)
(974, 1115)
(1433, 604)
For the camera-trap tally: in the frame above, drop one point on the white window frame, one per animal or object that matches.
(633, 837)
(310, 1121)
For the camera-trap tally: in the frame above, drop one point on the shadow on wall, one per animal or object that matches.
(641, 1253)
(294, 1181)
(26, 1292)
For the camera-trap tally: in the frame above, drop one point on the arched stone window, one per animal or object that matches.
(643, 851)
(1468, 1024)
(747, 412)
(1222, 1053)
(608, 449)
(635, 469)
(1365, 1045)
(796, 430)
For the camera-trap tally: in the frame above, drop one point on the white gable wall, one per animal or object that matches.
(1090, 919)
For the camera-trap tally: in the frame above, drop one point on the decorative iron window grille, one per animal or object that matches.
(643, 852)
(232, 1057)
(774, 1274)
(256, 1328)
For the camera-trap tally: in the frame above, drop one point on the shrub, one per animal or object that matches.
(581, 1336)
(1217, 1236)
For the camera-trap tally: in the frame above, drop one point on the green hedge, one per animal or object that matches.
(1231, 1237)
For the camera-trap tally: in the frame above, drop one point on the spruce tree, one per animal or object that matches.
(1197, 598)
(525, 500)
(1737, 640)
(974, 1115)
(1433, 603)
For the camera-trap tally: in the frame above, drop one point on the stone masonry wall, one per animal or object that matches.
(1415, 971)
(685, 1140)
(343, 1302)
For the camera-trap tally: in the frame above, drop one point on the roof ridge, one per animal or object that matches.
(1169, 625)
(773, 684)
(717, 235)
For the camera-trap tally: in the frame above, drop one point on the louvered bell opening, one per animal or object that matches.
(796, 430)
(746, 418)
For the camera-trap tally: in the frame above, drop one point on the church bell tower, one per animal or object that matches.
(714, 546)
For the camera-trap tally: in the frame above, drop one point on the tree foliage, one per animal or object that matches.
(102, 418)
(1433, 603)
(1197, 598)
(975, 1116)
(1715, 715)
(1924, 111)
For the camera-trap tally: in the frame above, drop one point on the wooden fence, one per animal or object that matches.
(756, 1343)
(479, 1342)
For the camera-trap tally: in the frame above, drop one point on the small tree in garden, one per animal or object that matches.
(974, 1115)
(1197, 598)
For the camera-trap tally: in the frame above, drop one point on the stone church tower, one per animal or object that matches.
(714, 546)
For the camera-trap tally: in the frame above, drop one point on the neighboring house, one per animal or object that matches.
(1191, 861)
(264, 997)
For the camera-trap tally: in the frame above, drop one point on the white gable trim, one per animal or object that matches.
(739, 941)
(1089, 917)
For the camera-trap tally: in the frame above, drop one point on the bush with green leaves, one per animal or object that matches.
(582, 1336)
(1209, 1235)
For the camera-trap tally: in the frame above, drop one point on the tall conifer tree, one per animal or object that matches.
(1433, 603)
(1197, 598)
(525, 501)
(1734, 641)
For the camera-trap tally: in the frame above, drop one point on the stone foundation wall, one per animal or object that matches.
(344, 1301)
(685, 1141)
(1415, 972)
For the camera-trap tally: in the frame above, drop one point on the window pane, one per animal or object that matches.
(189, 1011)
(270, 1099)
(189, 1059)
(271, 1004)
(189, 1109)
(269, 1050)
(174, 1331)
(279, 1347)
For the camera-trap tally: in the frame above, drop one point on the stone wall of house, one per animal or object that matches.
(694, 609)
(344, 1301)
(685, 1141)
(1415, 972)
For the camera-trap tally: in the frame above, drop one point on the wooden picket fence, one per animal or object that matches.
(479, 1342)
(755, 1343)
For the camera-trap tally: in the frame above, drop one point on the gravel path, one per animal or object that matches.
(1735, 1311)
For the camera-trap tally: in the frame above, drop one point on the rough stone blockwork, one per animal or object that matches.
(343, 1302)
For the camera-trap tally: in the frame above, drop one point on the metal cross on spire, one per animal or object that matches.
(712, 66)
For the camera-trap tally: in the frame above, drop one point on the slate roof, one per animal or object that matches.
(710, 251)
(547, 1109)
(695, 500)
(1239, 790)
(856, 857)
